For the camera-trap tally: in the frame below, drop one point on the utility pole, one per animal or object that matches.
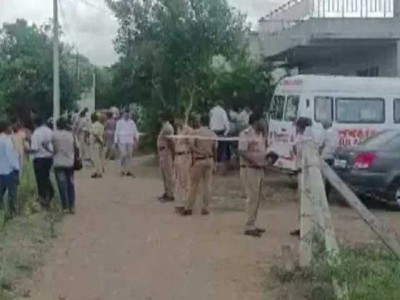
(78, 96)
(56, 65)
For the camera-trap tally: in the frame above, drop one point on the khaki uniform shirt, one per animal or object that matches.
(19, 141)
(162, 141)
(253, 143)
(97, 133)
(203, 148)
(183, 145)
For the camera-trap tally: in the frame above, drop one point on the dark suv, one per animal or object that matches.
(372, 169)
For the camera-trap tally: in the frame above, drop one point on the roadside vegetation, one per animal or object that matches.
(24, 240)
(370, 272)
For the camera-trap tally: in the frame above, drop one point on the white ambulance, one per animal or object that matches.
(357, 106)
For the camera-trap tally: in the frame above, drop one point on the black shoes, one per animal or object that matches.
(186, 212)
(295, 232)
(179, 209)
(164, 198)
(253, 233)
(256, 232)
(205, 212)
(96, 176)
(261, 230)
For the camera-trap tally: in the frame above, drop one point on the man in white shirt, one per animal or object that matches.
(42, 161)
(329, 143)
(219, 124)
(244, 117)
(9, 169)
(125, 139)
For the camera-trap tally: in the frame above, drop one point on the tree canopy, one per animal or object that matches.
(26, 70)
(168, 48)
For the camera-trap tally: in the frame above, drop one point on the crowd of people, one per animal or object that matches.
(190, 152)
(189, 155)
(46, 150)
(201, 147)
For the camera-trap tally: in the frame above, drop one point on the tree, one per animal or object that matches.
(26, 71)
(167, 48)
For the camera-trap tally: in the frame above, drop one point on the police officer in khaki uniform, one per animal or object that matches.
(253, 159)
(204, 151)
(183, 164)
(165, 148)
(97, 142)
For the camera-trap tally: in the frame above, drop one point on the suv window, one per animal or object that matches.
(360, 110)
(388, 139)
(277, 107)
(323, 107)
(292, 107)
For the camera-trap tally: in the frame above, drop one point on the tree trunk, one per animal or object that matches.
(189, 107)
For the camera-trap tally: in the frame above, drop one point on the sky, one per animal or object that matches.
(90, 25)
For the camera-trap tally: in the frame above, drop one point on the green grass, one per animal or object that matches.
(25, 239)
(371, 273)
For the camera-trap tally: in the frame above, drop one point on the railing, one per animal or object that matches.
(295, 11)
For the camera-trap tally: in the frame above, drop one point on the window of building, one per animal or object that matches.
(278, 104)
(369, 72)
(396, 111)
(323, 109)
(292, 107)
(360, 110)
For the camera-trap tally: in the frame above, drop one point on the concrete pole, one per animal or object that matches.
(56, 65)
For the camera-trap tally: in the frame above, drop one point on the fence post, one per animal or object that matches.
(306, 216)
(323, 216)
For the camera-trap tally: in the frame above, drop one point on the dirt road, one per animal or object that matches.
(123, 244)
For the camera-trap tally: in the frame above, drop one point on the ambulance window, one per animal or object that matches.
(292, 106)
(323, 109)
(396, 111)
(360, 110)
(277, 107)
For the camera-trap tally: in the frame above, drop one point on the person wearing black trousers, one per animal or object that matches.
(42, 161)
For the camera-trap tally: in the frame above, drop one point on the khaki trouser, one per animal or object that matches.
(84, 146)
(110, 151)
(98, 158)
(252, 179)
(183, 164)
(125, 155)
(167, 172)
(202, 170)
